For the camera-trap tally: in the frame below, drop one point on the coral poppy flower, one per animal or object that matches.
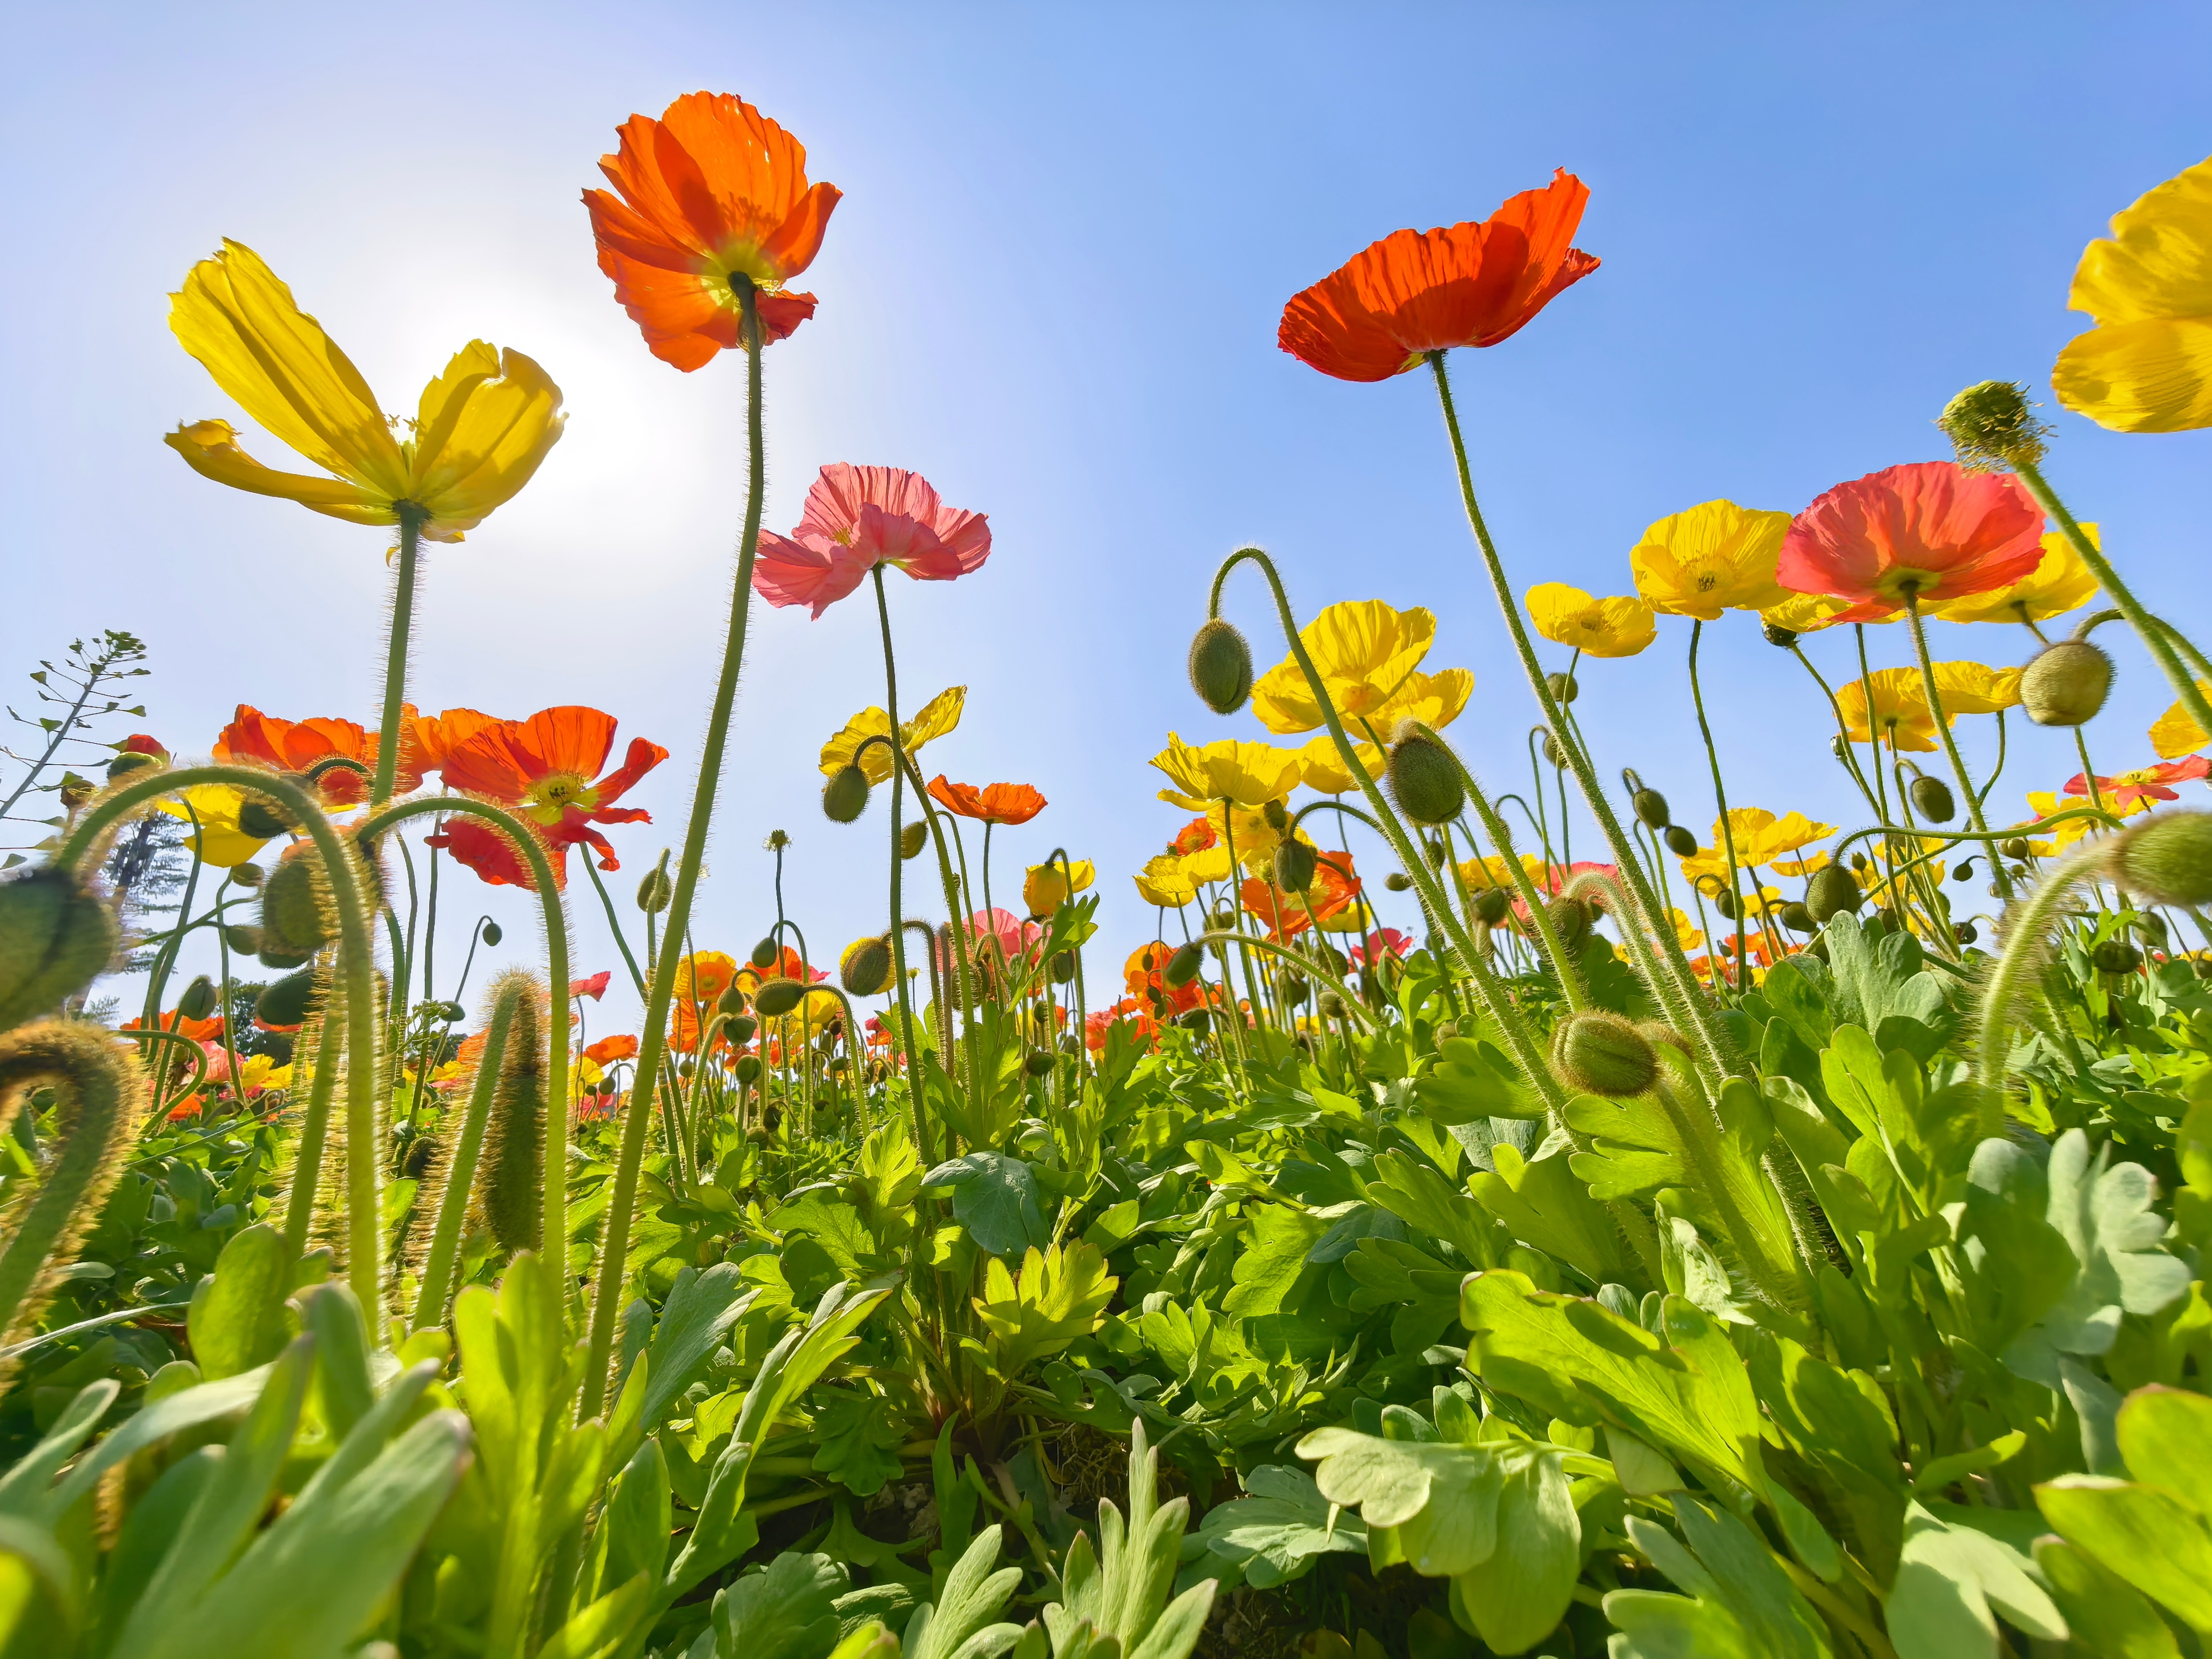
(1045, 889)
(1195, 836)
(858, 518)
(994, 803)
(2060, 583)
(1250, 773)
(1364, 650)
(939, 716)
(1417, 292)
(296, 745)
(479, 432)
(2133, 791)
(1618, 627)
(544, 767)
(1131, 1014)
(712, 193)
(433, 737)
(594, 988)
(1928, 530)
(1388, 942)
(607, 1051)
(2146, 365)
(215, 807)
(199, 1030)
(1712, 557)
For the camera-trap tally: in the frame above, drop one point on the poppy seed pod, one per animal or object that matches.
(54, 939)
(2167, 859)
(765, 954)
(657, 891)
(1652, 806)
(243, 941)
(1182, 966)
(1931, 799)
(1037, 1063)
(1220, 666)
(1562, 687)
(1603, 1054)
(1680, 842)
(246, 875)
(1571, 920)
(1424, 779)
(2066, 683)
(1992, 428)
(1832, 890)
(844, 797)
(749, 1068)
(778, 997)
(1062, 967)
(1294, 866)
(1398, 881)
(1491, 905)
(865, 970)
(290, 1000)
(913, 837)
(493, 932)
(198, 1000)
(263, 820)
(2115, 956)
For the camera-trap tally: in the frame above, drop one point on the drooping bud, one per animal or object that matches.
(865, 970)
(731, 1002)
(765, 953)
(1832, 890)
(493, 932)
(1491, 905)
(2115, 956)
(844, 797)
(1331, 1005)
(288, 1001)
(1220, 666)
(1571, 920)
(1798, 919)
(1294, 988)
(1424, 779)
(128, 763)
(54, 939)
(778, 997)
(1224, 915)
(1562, 687)
(1652, 806)
(1725, 904)
(2066, 683)
(748, 1068)
(2151, 929)
(1965, 871)
(76, 791)
(1680, 842)
(1295, 861)
(2165, 857)
(1777, 636)
(246, 875)
(1276, 815)
(1552, 753)
(198, 1001)
(658, 890)
(1931, 799)
(1433, 848)
(739, 1028)
(295, 918)
(913, 837)
(243, 941)
(1037, 1063)
(2017, 848)
(263, 820)
(1603, 1054)
(1992, 428)
(1062, 967)
(1398, 881)
(1966, 931)
(1182, 966)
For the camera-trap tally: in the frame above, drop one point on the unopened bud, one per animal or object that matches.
(1967, 932)
(1398, 881)
(1603, 1054)
(1062, 967)
(1571, 920)
(912, 838)
(2151, 929)
(765, 953)
(1652, 806)
(293, 921)
(263, 820)
(2066, 683)
(76, 791)
(748, 1068)
(865, 970)
(1931, 799)
(198, 1000)
(243, 940)
(740, 1030)
(2017, 848)
(1798, 919)
(1965, 871)
(2115, 956)
(1220, 666)
(844, 797)
(288, 1001)
(54, 939)
(731, 1002)
(1832, 890)
(658, 890)
(1037, 1063)
(1277, 816)
(1992, 428)
(1491, 905)
(1182, 966)
(1562, 687)
(1779, 636)
(778, 997)
(246, 875)
(1725, 904)
(1552, 752)
(1331, 1005)
(1295, 861)
(2165, 857)
(128, 763)
(493, 932)
(1680, 842)
(1224, 915)
(1424, 779)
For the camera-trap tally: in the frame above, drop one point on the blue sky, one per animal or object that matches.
(1053, 288)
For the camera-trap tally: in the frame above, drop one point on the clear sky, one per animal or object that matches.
(1053, 288)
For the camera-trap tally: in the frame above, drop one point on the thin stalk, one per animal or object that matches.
(314, 1130)
(1973, 802)
(2025, 936)
(922, 1139)
(1720, 797)
(461, 1173)
(395, 656)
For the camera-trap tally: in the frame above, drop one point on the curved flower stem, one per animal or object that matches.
(1309, 966)
(2025, 933)
(614, 925)
(1708, 1030)
(356, 967)
(913, 1073)
(461, 1173)
(314, 1132)
(959, 927)
(1973, 802)
(1082, 997)
(1720, 798)
(1843, 732)
(622, 1201)
(395, 656)
(194, 1054)
(555, 1173)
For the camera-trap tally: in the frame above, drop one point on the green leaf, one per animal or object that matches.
(857, 1437)
(959, 1626)
(1116, 1601)
(601, 1629)
(995, 1199)
(24, 1487)
(1952, 1581)
(1271, 1259)
(2153, 1532)
(1279, 1531)
(1442, 1497)
(1518, 1595)
(1421, 1198)
(789, 1612)
(1060, 1296)
(1545, 1205)
(696, 1319)
(39, 1613)
(1472, 1080)
(237, 1317)
(1870, 980)
(1741, 1603)
(2106, 1614)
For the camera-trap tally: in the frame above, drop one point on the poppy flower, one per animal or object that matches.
(1325, 769)
(1130, 1012)
(1901, 714)
(1415, 292)
(994, 803)
(1712, 557)
(1805, 613)
(2134, 791)
(858, 518)
(712, 193)
(2146, 365)
(1616, 627)
(433, 737)
(1364, 650)
(608, 1050)
(1165, 882)
(2060, 583)
(543, 767)
(216, 806)
(594, 988)
(1760, 838)
(1250, 773)
(1195, 836)
(138, 743)
(1045, 889)
(1495, 872)
(1435, 700)
(1388, 942)
(295, 746)
(939, 716)
(1928, 530)
(199, 1030)
(2177, 733)
(480, 429)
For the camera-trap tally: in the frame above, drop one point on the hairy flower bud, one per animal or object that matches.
(198, 1001)
(243, 941)
(1571, 920)
(1652, 806)
(1603, 1054)
(778, 997)
(1779, 636)
(1182, 966)
(1062, 967)
(748, 1068)
(844, 797)
(1562, 687)
(1491, 905)
(128, 761)
(1798, 919)
(2165, 857)
(913, 837)
(1931, 799)
(1398, 881)
(290, 1000)
(246, 875)
(1220, 666)
(658, 890)
(1277, 816)
(2151, 929)
(764, 953)
(1992, 428)
(1424, 779)
(1680, 842)
(865, 970)
(1552, 753)
(2066, 683)
(2017, 848)
(1294, 866)
(54, 939)
(1832, 890)
(1037, 1063)
(2115, 956)
(296, 921)
(731, 1002)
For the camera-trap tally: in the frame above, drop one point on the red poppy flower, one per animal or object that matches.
(296, 745)
(199, 1030)
(1415, 292)
(712, 193)
(1130, 1012)
(608, 1050)
(544, 767)
(858, 518)
(1389, 942)
(1194, 837)
(994, 803)
(435, 737)
(1928, 530)
(139, 744)
(594, 988)
(2132, 789)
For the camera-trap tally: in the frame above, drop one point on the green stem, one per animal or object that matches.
(914, 1087)
(1972, 801)
(2025, 938)
(1843, 729)
(461, 1173)
(395, 656)
(1720, 798)
(314, 1132)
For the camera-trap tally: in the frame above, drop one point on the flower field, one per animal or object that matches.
(1489, 1214)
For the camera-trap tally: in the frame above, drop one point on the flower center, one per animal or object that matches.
(556, 792)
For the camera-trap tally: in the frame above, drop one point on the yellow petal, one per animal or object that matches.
(2177, 733)
(2060, 583)
(1804, 613)
(2158, 262)
(2150, 376)
(1616, 627)
(1250, 773)
(875, 764)
(1555, 608)
(1435, 700)
(219, 840)
(484, 426)
(939, 716)
(1208, 865)
(1165, 882)
(1365, 648)
(1713, 557)
(242, 323)
(1323, 769)
(1284, 702)
(210, 449)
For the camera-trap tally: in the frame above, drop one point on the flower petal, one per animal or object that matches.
(2150, 376)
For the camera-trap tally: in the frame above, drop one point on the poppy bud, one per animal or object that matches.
(749, 1068)
(1220, 666)
(1331, 1005)
(657, 891)
(2167, 859)
(2066, 683)
(1224, 915)
(1182, 966)
(1966, 931)
(1037, 1063)
(1965, 871)
(246, 875)
(1680, 842)
(1798, 919)
(198, 1000)
(288, 1001)
(128, 761)
(277, 1045)
(263, 820)
(1424, 779)
(765, 954)
(1725, 904)
(778, 997)
(1779, 636)
(493, 933)
(1571, 920)
(1652, 806)
(293, 922)
(278, 962)
(1062, 967)
(1195, 1020)
(684, 1069)
(731, 1002)
(1552, 752)
(1435, 852)
(1294, 866)
(1562, 687)
(1278, 815)
(1832, 890)
(1398, 881)
(740, 1028)
(913, 837)
(76, 791)
(1992, 429)
(243, 940)
(2115, 956)
(54, 939)
(844, 797)
(1931, 799)
(1294, 988)
(2150, 927)
(865, 970)
(1604, 1055)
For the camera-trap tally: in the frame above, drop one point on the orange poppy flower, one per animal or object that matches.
(296, 745)
(994, 803)
(608, 1050)
(544, 767)
(712, 192)
(1416, 292)
(199, 1030)
(1929, 529)
(435, 737)
(1194, 837)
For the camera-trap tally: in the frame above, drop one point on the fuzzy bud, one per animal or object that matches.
(1491, 905)
(1992, 428)
(54, 938)
(1652, 806)
(844, 797)
(1603, 1054)
(1182, 966)
(1220, 666)
(1276, 815)
(1037, 1063)
(765, 954)
(658, 890)
(731, 1002)
(289, 1000)
(2115, 956)
(1562, 687)
(739, 1028)
(1798, 919)
(493, 932)
(1062, 967)
(1571, 920)
(778, 997)
(2165, 857)
(1424, 779)
(1967, 932)
(1552, 753)
(128, 763)
(76, 791)
(1832, 890)
(1931, 799)
(2151, 929)
(263, 820)
(295, 921)
(865, 970)
(1294, 866)
(913, 837)
(1778, 636)
(247, 875)
(2017, 848)
(1398, 881)
(1331, 1005)
(748, 1068)
(1680, 842)
(2066, 683)
(198, 1001)
(243, 941)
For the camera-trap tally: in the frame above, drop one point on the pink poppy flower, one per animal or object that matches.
(1928, 530)
(594, 988)
(858, 518)
(1388, 942)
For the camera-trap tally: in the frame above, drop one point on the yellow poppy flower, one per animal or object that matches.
(1164, 882)
(220, 841)
(1616, 627)
(2048, 802)
(1760, 838)
(1363, 649)
(2146, 365)
(1208, 865)
(1044, 888)
(1815, 859)
(1495, 872)
(1250, 773)
(1900, 706)
(2060, 583)
(2177, 733)
(1325, 769)
(1804, 613)
(1255, 839)
(1715, 556)
(1435, 700)
(939, 716)
(479, 432)
(1686, 934)
(1972, 687)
